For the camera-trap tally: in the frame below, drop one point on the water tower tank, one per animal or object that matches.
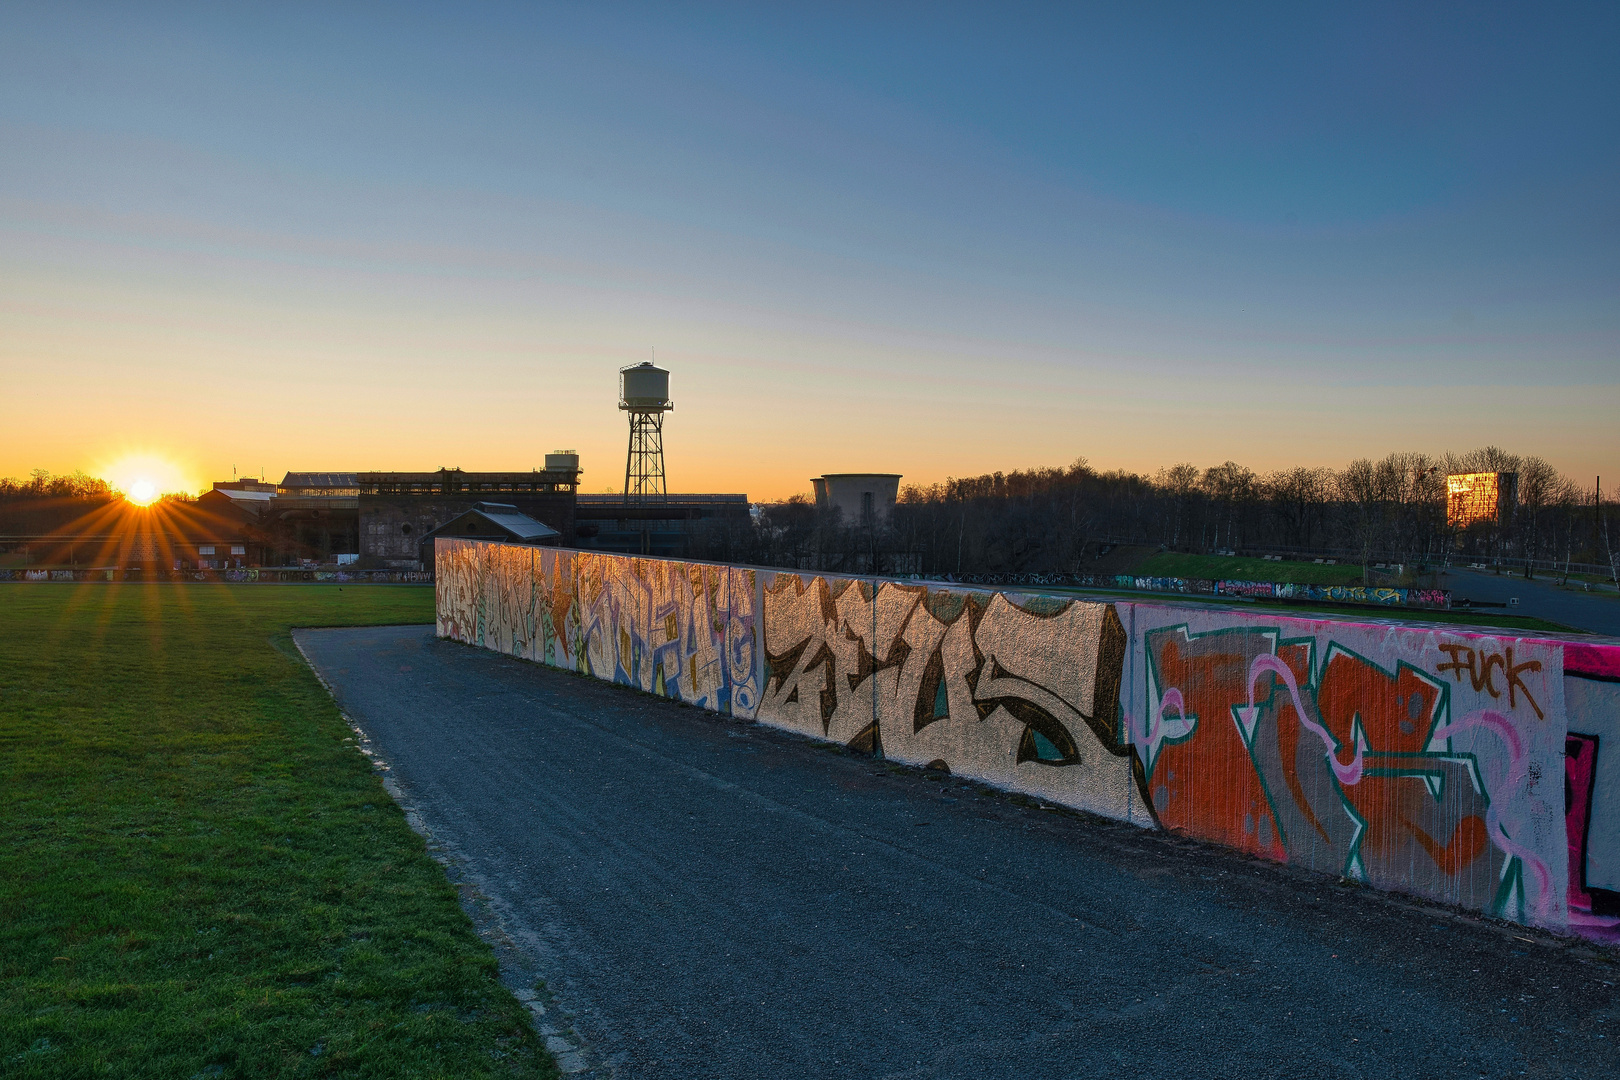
(644, 386)
(562, 461)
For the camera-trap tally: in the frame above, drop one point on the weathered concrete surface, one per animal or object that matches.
(710, 898)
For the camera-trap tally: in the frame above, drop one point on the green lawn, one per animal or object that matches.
(1477, 619)
(1349, 612)
(199, 874)
(1215, 567)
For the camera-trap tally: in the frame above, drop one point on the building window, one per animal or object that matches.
(866, 508)
(405, 529)
(238, 549)
(205, 549)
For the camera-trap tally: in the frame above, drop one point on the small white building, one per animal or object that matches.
(863, 498)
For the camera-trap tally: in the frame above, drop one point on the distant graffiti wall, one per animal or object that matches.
(1475, 769)
(1382, 596)
(681, 630)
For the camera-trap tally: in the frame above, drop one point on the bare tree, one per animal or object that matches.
(1538, 483)
(1181, 482)
(1361, 487)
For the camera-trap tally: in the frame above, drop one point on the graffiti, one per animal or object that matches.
(1017, 691)
(1481, 667)
(1300, 747)
(1382, 596)
(557, 609)
(458, 593)
(509, 600)
(1411, 758)
(681, 630)
(1264, 590)
(1592, 794)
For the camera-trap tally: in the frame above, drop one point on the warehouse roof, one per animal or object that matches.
(497, 521)
(320, 480)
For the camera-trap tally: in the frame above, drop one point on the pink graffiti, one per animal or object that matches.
(1518, 766)
(1172, 697)
(1347, 774)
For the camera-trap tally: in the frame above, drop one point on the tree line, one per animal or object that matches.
(1056, 519)
(45, 504)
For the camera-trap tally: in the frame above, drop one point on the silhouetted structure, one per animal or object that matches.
(398, 509)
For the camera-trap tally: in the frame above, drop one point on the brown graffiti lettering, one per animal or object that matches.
(1482, 667)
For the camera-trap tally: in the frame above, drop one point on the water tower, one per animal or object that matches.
(644, 394)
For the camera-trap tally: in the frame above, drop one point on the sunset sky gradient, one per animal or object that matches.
(934, 241)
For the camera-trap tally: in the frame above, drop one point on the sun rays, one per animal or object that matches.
(145, 476)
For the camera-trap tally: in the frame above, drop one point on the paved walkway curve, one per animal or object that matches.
(707, 898)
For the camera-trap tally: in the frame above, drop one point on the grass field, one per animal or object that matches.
(1481, 619)
(1213, 567)
(1472, 619)
(199, 874)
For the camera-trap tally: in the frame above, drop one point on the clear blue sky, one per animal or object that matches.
(932, 241)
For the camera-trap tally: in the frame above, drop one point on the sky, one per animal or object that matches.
(926, 239)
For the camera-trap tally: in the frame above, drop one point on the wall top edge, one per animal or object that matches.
(1597, 642)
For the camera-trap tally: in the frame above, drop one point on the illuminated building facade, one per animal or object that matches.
(1475, 497)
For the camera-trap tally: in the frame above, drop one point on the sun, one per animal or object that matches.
(145, 475)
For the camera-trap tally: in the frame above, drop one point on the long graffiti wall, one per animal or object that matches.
(682, 630)
(1474, 769)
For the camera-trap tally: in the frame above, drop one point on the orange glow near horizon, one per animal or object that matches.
(145, 476)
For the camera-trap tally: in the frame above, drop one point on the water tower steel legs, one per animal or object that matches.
(644, 465)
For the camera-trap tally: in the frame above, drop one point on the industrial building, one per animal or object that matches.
(1472, 498)
(672, 526)
(865, 499)
(397, 510)
(371, 520)
(387, 520)
(315, 515)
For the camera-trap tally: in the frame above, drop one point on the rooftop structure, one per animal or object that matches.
(254, 500)
(564, 477)
(644, 394)
(318, 484)
(496, 521)
(865, 499)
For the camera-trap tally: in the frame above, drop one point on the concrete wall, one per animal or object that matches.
(682, 630)
(1412, 759)
(1476, 769)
